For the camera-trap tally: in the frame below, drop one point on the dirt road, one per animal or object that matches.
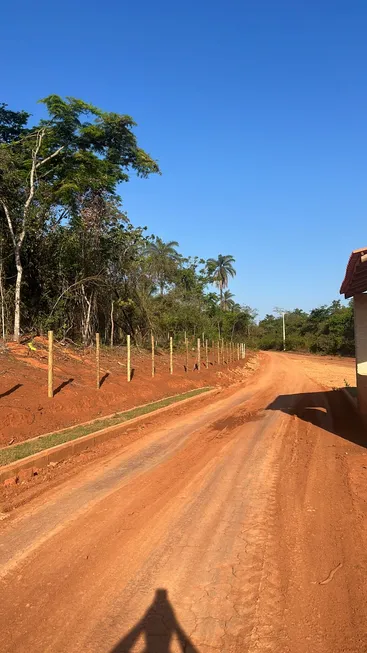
(237, 528)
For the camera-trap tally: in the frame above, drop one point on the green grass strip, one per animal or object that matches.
(24, 449)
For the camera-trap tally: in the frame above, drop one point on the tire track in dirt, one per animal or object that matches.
(237, 524)
(223, 560)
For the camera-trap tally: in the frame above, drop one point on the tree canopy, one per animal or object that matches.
(220, 269)
(72, 261)
(324, 330)
(70, 258)
(65, 169)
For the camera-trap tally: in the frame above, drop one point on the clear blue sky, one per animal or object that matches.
(256, 111)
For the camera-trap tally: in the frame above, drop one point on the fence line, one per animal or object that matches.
(224, 352)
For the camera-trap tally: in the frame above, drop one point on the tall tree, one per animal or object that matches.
(220, 270)
(228, 302)
(164, 258)
(60, 166)
(12, 123)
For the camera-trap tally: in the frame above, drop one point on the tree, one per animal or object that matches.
(19, 184)
(12, 123)
(235, 307)
(228, 302)
(60, 167)
(220, 270)
(164, 259)
(325, 330)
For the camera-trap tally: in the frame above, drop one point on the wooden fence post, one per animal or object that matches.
(199, 355)
(206, 354)
(171, 355)
(187, 354)
(112, 323)
(218, 352)
(128, 359)
(222, 348)
(97, 361)
(238, 351)
(152, 341)
(50, 364)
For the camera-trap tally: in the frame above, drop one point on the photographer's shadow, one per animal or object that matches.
(159, 628)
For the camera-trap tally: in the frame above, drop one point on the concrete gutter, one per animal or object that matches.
(26, 467)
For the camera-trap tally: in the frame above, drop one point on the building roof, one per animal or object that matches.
(355, 280)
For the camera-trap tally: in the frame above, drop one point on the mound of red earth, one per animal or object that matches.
(26, 411)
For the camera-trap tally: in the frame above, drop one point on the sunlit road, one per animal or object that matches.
(231, 529)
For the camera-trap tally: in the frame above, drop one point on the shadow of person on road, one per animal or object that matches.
(328, 410)
(159, 627)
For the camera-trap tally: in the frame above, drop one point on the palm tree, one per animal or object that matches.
(236, 308)
(220, 270)
(227, 300)
(163, 257)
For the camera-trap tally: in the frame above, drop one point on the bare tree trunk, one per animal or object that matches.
(112, 323)
(233, 330)
(18, 284)
(2, 292)
(17, 239)
(86, 317)
(2, 303)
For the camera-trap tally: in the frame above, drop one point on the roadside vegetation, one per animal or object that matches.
(324, 330)
(71, 260)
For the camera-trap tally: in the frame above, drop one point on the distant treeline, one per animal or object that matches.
(324, 330)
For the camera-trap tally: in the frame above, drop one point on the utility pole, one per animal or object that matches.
(281, 312)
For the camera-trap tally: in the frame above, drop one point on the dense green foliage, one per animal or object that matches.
(220, 270)
(325, 330)
(77, 261)
(71, 261)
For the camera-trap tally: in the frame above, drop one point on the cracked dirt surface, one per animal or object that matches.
(213, 533)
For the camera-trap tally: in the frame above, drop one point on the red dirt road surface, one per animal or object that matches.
(236, 527)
